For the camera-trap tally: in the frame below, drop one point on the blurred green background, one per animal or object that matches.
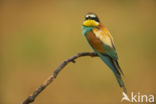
(37, 35)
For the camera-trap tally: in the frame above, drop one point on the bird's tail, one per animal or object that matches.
(114, 66)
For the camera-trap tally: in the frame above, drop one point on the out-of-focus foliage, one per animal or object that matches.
(36, 36)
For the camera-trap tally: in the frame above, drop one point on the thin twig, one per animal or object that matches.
(32, 97)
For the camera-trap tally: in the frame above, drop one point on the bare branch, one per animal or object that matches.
(32, 97)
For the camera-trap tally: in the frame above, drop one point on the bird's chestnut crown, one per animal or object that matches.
(91, 19)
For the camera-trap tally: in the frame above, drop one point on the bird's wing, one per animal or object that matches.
(107, 41)
(105, 49)
(105, 37)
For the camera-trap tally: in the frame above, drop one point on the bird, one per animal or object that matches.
(100, 40)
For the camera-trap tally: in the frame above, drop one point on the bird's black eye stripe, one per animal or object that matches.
(86, 18)
(96, 19)
(92, 18)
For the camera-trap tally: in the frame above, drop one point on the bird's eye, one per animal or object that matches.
(92, 17)
(86, 18)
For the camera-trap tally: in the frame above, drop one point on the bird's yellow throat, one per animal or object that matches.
(90, 22)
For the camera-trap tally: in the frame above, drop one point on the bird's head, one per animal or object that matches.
(91, 19)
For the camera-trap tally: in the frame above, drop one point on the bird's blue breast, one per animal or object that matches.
(86, 29)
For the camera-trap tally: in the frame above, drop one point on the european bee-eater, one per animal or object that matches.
(101, 41)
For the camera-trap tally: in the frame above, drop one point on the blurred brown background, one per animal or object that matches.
(36, 36)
